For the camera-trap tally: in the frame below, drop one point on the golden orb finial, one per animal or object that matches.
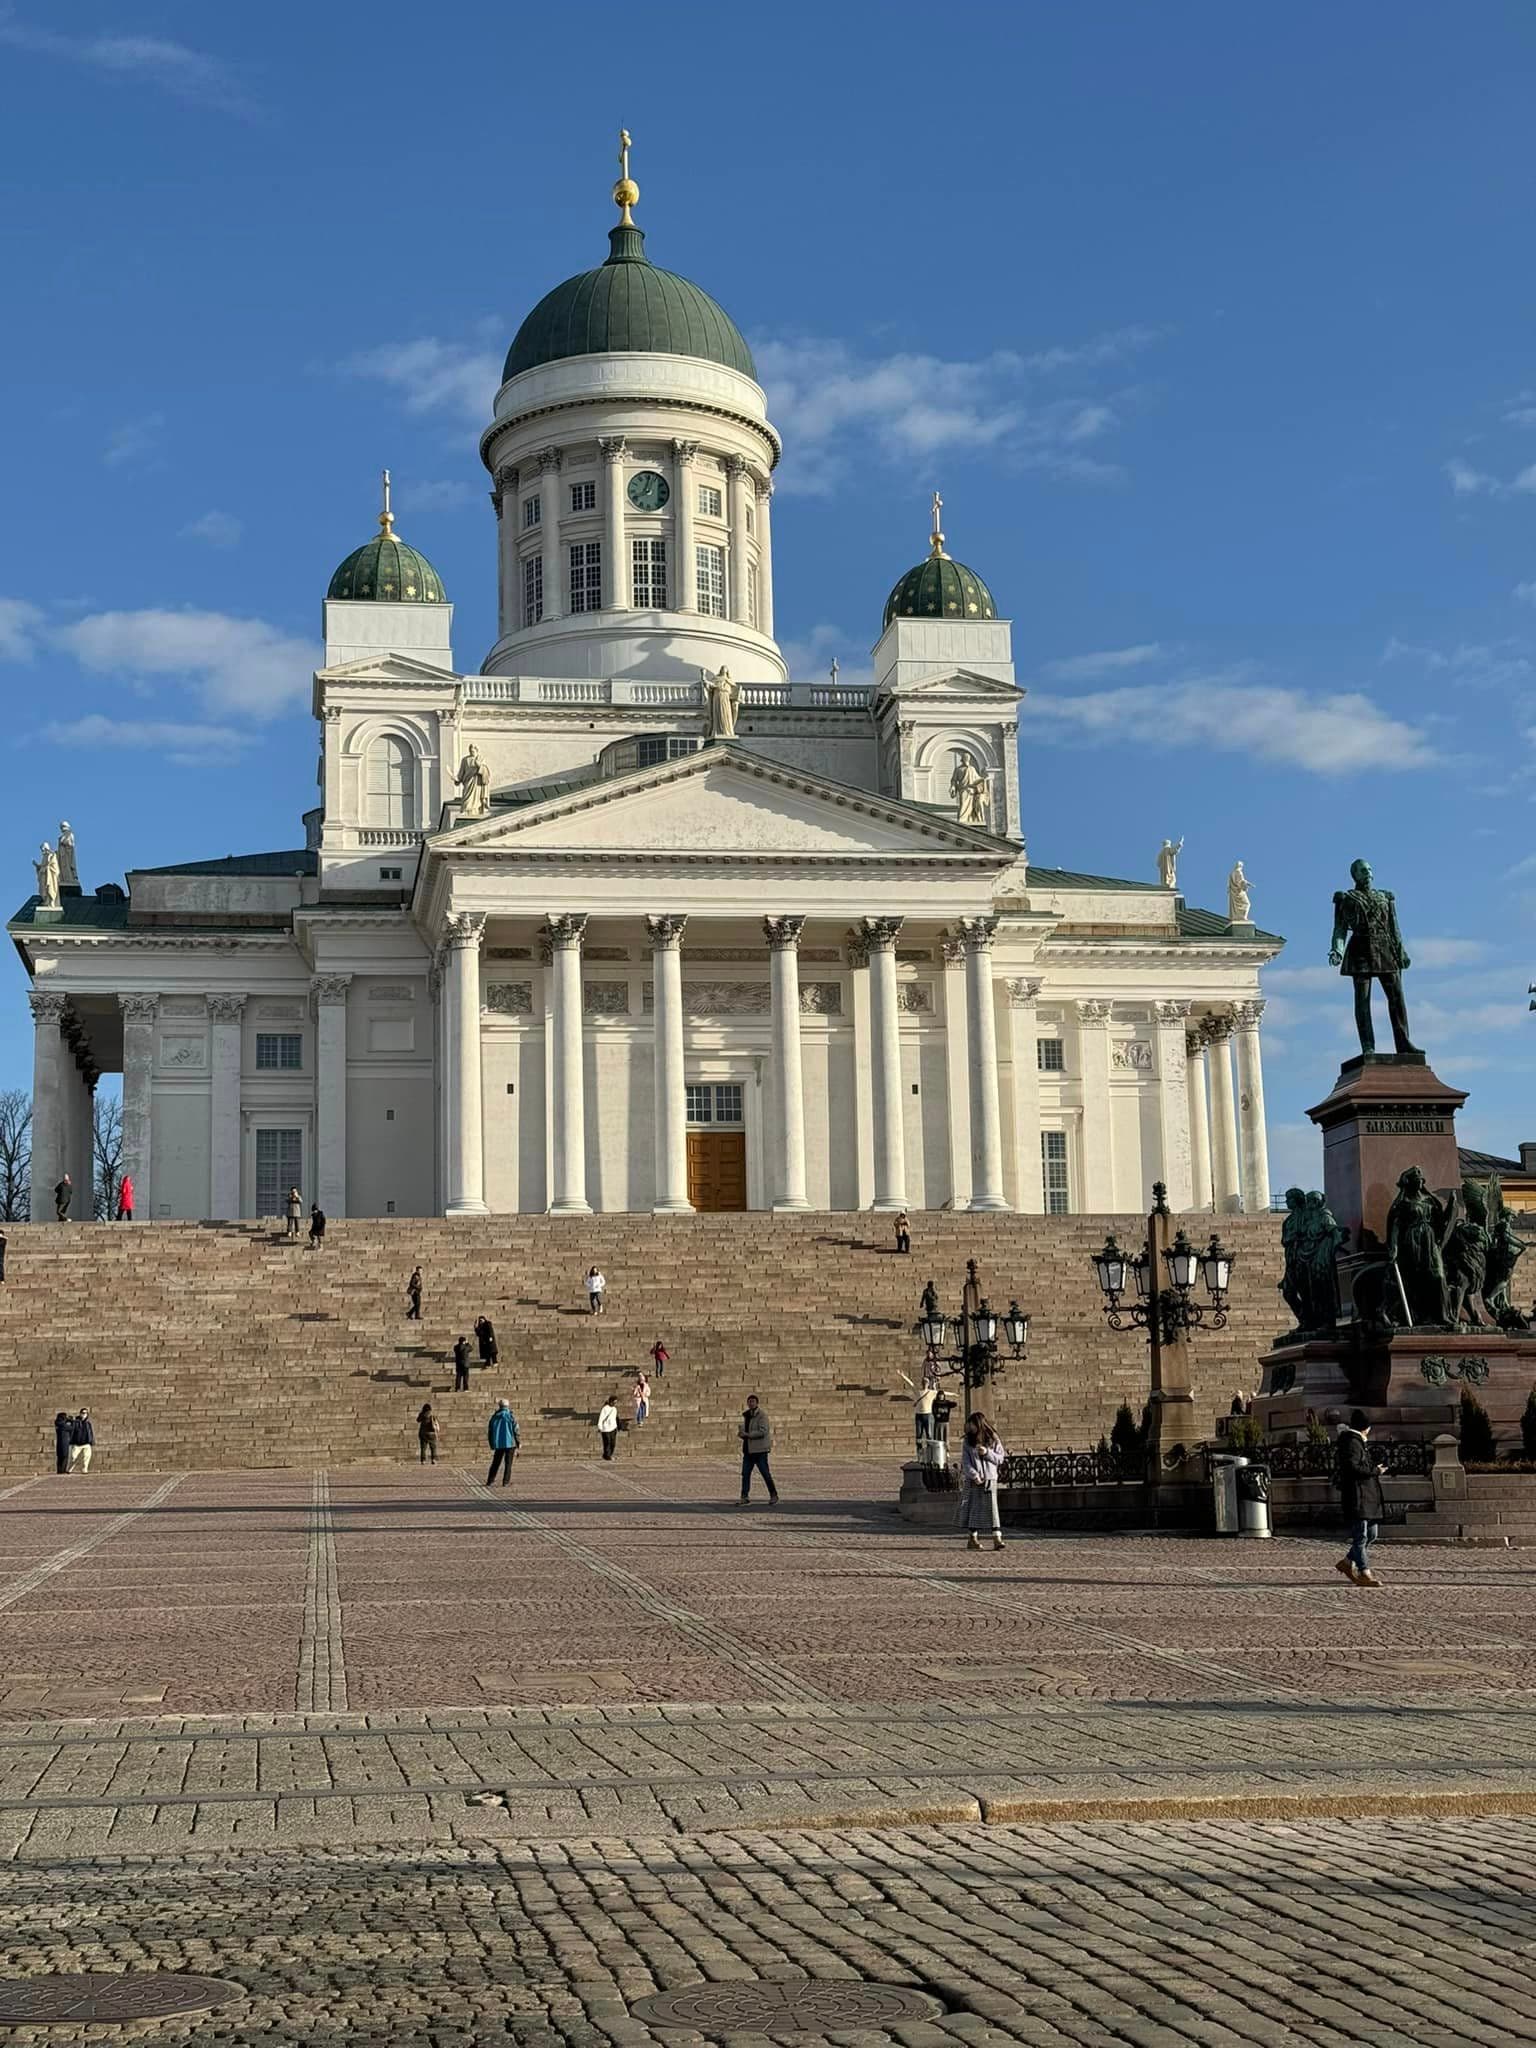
(936, 538)
(626, 193)
(386, 517)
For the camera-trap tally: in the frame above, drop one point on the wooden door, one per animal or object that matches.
(717, 1169)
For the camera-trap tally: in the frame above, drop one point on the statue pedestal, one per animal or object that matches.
(1409, 1383)
(1385, 1114)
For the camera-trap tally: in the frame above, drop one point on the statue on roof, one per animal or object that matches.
(69, 874)
(1168, 863)
(722, 696)
(1239, 897)
(474, 780)
(46, 867)
(971, 790)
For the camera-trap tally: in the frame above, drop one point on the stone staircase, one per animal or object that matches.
(221, 1345)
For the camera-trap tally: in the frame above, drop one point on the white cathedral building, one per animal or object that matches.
(631, 918)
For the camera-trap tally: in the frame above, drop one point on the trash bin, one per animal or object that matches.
(1253, 1501)
(1224, 1470)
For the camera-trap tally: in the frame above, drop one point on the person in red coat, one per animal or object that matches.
(125, 1199)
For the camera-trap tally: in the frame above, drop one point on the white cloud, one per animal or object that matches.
(19, 626)
(1113, 347)
(240, 666)
(1435, 953)
(219, 529)
(809, 657)
(186, 73)
(435, 375)
(1081, 668)
(437, 495)
(1524, 593)
(1487, 664)
(177, 741)
(133, 440)
(1340, 734)
(1467, 482)
(1437, 1021)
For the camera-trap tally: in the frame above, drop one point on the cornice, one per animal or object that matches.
(161, 942)
(1061, 950)
(607, 401)
(505, 855)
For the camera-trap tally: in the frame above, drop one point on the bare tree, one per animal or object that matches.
(107, 1148)
(15, 1155)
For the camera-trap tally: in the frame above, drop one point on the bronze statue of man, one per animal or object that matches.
(1367, 918)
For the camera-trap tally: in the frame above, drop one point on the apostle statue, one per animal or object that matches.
(1367, 918)
(972, 792)
(1239, 901)
(69, 874)
(1168, 863)
(474, 780)
(722, 694)
(47, 869)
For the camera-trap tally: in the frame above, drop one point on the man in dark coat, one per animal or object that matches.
(63, 1195)
(63, 1437)
(413, 1296)
(1358, 1478)
(316, 1226)
(82, 1441)
(485, 1332)
(461, 1365)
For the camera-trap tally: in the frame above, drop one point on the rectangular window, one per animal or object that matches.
(587, 576)
(714, 1102)
(279, 1167)
(533, 511)
(752, 594)
(711, 570)
(279, 1052)
(701, 1104)
(751, 518)
(728, 1104)
(648, 562)
(533, 590)
(711, 504)
(391, 874)
(584, 497)
(1053, 1173)
(1050, 1055)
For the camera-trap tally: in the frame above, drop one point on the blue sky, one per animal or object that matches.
(1212, 323)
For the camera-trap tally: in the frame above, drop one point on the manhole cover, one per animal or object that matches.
(73, 1997)
(794, 2008)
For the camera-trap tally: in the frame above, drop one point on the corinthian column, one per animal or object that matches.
(738, 485)
(226, 1015)
(504, 498)
(880, 935)
(466, 1133)
(139, 1013)
(786, 1150)
(616, 563)
(549, 519)
(764, 557)
(563, 936)
(1253, 1136)
(1218, 1033)
(48, 1081)
(671, 1098)
(1199, 1119)
(981, 1038)
(330, 997)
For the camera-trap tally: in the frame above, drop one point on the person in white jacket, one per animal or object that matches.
(608, 1425)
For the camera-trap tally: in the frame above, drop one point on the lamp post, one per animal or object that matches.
(972, 1335)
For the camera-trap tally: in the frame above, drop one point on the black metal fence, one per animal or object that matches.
(1410, 1458)
(1071, 1468)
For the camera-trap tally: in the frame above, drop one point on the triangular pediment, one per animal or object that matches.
(722, 802)
(387, 668)
(958, 682)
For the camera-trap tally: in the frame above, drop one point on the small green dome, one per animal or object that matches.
(628, 306)
(385, 571)
(940, 589)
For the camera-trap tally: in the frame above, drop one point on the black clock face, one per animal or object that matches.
(648, 492)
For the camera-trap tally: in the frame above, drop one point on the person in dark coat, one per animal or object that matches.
(461, 1366)
(82, 1441)
(316, 1226)
(1358, 1478)
(63, 1195)
(413, 1296)
(426, 1433)
(63, 1437)
(485, 1332)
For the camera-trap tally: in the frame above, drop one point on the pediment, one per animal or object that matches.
(959, 682)
(387, 668)
(722, 802)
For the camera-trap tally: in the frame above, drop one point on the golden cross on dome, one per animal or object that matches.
(386, 517)
(626, 192)
(936, 541)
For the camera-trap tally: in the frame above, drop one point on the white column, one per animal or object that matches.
(981, 1039)
(1250, 1107)
(957, 1071)
(1178, 1174)
(466, 1131)
(1024, 1032)
(764, 557)
(685, 494)
(139, 1014)
(888, 1110)
(87, 1181)
(786, 1145)
(226, 1016)
(615, 559)
(738, 485)
(1224, 1166)
(1199, 1118)
(863, 1068)
(567, 1081)
(1098, 1135)
(670, 1090)
(330, 997)
(549, 518)
(49, 1053)
(504, 498)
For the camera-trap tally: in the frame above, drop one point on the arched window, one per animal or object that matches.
(391, 784)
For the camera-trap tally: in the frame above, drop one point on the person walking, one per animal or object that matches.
(295, 1209)
(756, 1435)
(980, 1464)
(63, 1195)
(608, 1426)
(1357, 1475)
(82, 1441)
(659, 1356)
(597, 1287)
(502, 1436)
(125, 1199)
(316, 1226)
(903, 1232)
(461, 1366)
(485, 1337)
(642, 1393)
(413, 1296)
(63, 1437)
(426, 1433)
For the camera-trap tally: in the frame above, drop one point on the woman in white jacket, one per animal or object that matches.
(980, 1465)
(608, 1425)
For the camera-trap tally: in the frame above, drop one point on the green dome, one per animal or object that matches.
(386, 571)
(940, 589)
(628, 306)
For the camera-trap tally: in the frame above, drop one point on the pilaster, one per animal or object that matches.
(226, 1014)
(1098, 1144)
(1024, 1043)
(1171, 1020)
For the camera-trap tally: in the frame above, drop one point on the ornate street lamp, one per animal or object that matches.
(1172, 1308)
(973, 1334)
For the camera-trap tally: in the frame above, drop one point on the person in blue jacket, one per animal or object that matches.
(501, 1434)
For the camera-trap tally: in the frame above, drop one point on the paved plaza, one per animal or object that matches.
(398, 1758)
